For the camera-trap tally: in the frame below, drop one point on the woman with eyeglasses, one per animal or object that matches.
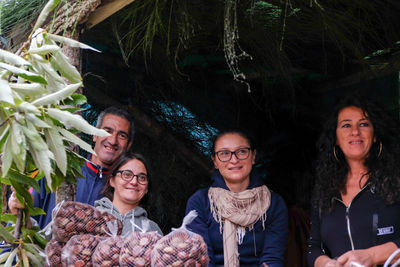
(126, 187)
(242, 222)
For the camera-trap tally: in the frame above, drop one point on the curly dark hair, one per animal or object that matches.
(382, 162)
(108, 190)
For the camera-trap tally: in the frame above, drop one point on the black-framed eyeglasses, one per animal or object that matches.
(226, 155)
(128, 175)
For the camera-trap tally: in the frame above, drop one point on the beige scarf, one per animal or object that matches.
(236, 211)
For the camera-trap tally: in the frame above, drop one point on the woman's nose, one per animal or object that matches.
(234, 158)
(355, 130)
(134, 180)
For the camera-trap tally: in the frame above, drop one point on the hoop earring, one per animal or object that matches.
(380, 148)
(334, 153)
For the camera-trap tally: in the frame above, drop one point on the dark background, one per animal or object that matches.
(181, 101)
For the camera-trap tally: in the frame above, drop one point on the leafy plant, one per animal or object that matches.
(37, 126)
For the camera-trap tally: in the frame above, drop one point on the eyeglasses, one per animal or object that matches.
(226, 155)
(128, 175)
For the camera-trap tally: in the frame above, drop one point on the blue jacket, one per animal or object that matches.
(259, 246)
(87, 191)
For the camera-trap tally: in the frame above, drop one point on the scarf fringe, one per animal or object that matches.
(236, 212)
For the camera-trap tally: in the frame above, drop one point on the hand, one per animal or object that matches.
(13, 203)
(359, 256)
(332, 263)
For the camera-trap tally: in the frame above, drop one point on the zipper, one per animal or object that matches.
(348, 227)
(348, 217)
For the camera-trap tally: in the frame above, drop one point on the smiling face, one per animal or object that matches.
(109, 148)
(127, 195)
(235, 172)
(354, 133)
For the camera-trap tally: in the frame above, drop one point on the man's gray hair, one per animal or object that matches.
(120, 113)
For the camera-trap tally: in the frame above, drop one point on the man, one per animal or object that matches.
(119, 124)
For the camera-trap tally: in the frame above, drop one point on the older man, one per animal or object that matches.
(119, 124)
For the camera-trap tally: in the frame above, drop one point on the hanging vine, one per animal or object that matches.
(232, 50)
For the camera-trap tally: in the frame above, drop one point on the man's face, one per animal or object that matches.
(109, 148)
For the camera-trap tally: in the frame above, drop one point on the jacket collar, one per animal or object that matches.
(97, 169)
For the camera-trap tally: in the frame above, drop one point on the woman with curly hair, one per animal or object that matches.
(355, 218)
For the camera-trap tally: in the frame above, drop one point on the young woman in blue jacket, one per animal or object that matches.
(242, 222)
(356, 211)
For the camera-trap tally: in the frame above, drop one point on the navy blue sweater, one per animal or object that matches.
(88, 190)
(259, 245)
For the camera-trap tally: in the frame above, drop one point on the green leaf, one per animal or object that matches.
(45, 12)
(30, 89)
(10, 259)
(30, 76)
(76, 100)
(18, 144)
(76, 140)
(54, 98)
(54, 80)
(41, 239)
(8, 217)
(35, 260)
(26, 107)
(5, 92)
(7, 236)
(11, 58)
(23, 179)
(4, 135)
(56, 145)
(25, 259)
(44, 50)
(34, 137)
(61, 63)
(7, 157)
(75, 121)
(5, 181)
(36, 121)
(4, 256)
(42, 161)
(22, 193)
(69, 42)
(36, 211)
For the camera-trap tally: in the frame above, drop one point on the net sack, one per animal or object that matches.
(181, 247)
(107, 251)
(78, 251)
(74, 218)
(136, 251)
(53, 253)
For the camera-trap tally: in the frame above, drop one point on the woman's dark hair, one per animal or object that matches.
(242, 133)
(382, 161)
(108, 190)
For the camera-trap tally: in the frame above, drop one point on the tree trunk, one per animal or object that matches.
(65, 20)
(66, 191)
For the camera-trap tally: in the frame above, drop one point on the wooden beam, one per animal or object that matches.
(105, 11)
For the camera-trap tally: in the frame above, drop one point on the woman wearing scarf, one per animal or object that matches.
(242, 222)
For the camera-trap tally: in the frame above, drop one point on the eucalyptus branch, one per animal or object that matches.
(4, 122)
(23, 47)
